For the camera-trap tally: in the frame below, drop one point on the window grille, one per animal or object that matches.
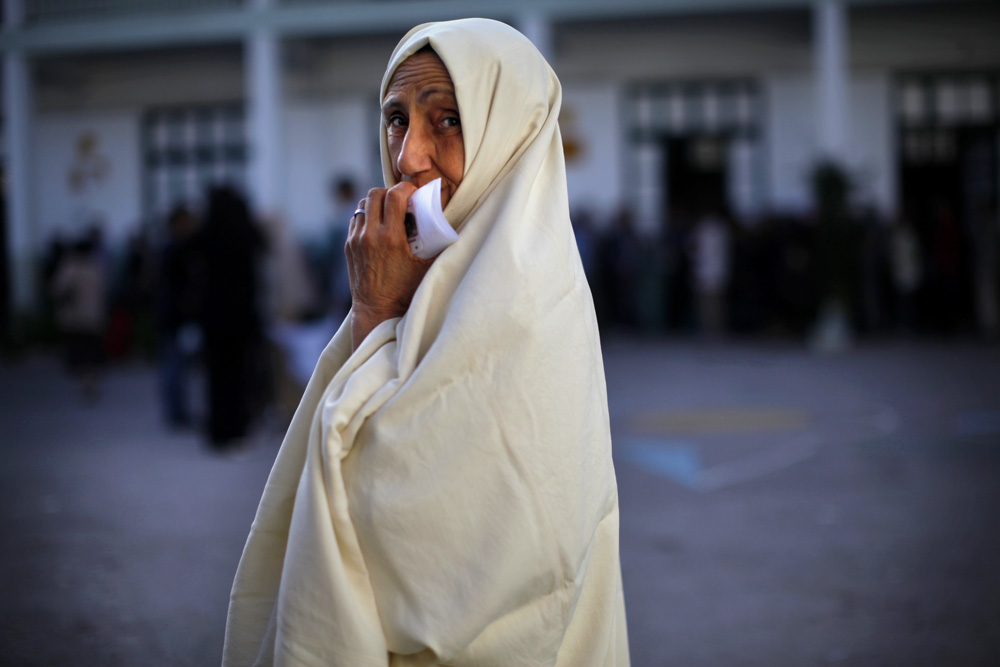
(932, 108)
(722, 117)
(187, 150)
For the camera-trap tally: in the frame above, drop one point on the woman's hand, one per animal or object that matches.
(383, 272)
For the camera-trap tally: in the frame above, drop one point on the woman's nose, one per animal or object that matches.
(415, 154)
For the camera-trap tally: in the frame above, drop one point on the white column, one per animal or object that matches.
(537, 27)
(264, 107)
(830, 59)
(22, 249)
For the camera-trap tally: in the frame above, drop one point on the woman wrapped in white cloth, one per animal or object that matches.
(445, 494)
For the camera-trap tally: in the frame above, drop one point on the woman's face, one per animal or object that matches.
(422, 123)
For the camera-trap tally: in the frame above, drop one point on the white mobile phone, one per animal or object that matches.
(427, 230)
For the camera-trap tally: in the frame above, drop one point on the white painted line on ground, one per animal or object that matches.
(679, 460)
(762, 463)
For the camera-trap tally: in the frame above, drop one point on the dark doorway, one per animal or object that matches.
(948, 182)
(696, 174)
(696, 184)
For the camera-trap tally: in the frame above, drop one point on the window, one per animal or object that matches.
(188, 149)
(709, 128)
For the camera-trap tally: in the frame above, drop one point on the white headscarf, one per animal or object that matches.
(445, 495)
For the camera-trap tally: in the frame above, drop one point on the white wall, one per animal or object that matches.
(590, 118)
(791, 140)
(872, 150)
(683, 46)
(325, 139)
(101, 81)
(114, 198)
(331, 82)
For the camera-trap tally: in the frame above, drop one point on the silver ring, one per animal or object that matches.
(360, 210)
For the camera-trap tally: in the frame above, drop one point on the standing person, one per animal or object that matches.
(231, 246)
(623, 251)
(872, 254)
(906, 261)
(710, 268)
(136, 296)
(987, 270)
(178, 293)
(445, 493)
(344, 198)
(79, 292)
(292, 292)
(56, 251)
(945, 268)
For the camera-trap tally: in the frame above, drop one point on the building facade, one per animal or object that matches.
(116, 110)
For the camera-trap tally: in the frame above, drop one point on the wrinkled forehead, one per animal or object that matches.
(463, 46)
(401, 56)
(424, 70)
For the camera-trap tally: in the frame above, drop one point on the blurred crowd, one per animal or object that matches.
(707, 275)
(236, 310)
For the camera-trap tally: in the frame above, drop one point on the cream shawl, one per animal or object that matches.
(445, 495)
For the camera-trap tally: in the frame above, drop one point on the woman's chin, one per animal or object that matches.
(447, 192)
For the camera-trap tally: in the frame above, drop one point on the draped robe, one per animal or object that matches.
(445, 494)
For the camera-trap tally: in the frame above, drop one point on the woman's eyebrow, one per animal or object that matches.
(424, 94)
(391, 105)
(394, 104)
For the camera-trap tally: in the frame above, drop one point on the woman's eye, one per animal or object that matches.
(396, 121)
(452, 121)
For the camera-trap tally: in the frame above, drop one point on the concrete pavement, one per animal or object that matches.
(778, 508)
(840, 509)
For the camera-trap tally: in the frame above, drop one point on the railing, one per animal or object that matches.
(59, 11)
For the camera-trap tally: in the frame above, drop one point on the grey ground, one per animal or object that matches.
(778, 507)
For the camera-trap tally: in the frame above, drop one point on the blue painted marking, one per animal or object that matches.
(676, 460)
(978, 423)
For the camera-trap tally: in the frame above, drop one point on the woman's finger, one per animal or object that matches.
(359, 212)
(373, 206)
(351, 225)
(396, 200)
(349, 245)
(352, 247)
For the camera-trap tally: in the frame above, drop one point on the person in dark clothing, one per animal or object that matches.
(621, 251)
(231, 246)
(344, 199)
(177, 308)
(946, 256)
(79, 289)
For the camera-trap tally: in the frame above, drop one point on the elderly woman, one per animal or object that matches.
(445, 493)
